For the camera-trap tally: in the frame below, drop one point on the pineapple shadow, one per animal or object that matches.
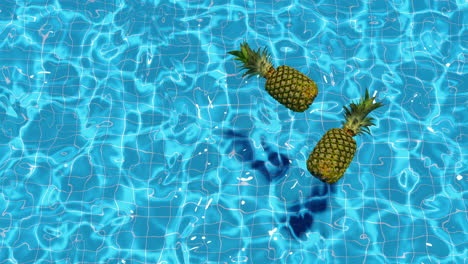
(301, 215)
(279, 161)
(272, 168)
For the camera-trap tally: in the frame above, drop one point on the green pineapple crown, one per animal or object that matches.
(356, 120)
(255, 62)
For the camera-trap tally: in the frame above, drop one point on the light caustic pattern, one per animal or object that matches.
(127, 134)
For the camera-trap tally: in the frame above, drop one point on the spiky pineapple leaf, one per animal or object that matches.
(255, 62)
(355, 115)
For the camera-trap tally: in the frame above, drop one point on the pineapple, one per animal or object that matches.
(335, 151)
(288, 86)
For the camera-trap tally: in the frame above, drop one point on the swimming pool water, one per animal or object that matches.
(127, 134)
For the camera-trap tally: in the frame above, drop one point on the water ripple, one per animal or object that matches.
(128, 134)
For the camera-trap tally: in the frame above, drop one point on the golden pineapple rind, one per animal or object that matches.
(332, 155)
(291, 88)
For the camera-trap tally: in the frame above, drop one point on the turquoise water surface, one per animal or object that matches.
(128, 135)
